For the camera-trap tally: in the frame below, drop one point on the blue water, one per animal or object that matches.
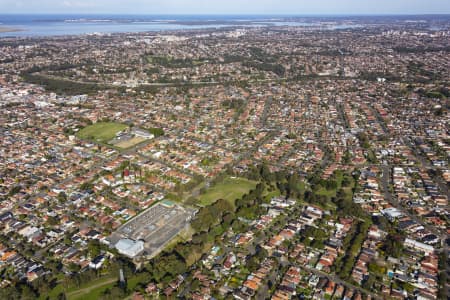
(55, 25)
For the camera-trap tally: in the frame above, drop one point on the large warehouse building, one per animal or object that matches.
(129, 247)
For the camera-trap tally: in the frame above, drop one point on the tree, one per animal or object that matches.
(86, 186)
(28, 293)
(363, 140)
(393, 245)
(11, 292)
(52, 221)
(113, 293)
(157, 132)
(376, 269)
(53, 265)
(72, 267)
(169, 264)
(15, 190)
(43, 284)
(62, 197)
(368, 283)
(265, 173)
(94, 248)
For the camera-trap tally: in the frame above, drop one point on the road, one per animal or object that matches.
(426, 164)
(393, 200)
(339, 281)
(163, 84)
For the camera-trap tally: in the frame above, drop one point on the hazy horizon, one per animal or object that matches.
(230, 7)
(230, 14)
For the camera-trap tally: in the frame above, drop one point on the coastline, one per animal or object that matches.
(5, 29)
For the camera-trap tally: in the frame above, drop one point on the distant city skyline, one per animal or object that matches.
(229, 7)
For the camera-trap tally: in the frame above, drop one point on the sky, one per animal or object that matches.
(240, 7)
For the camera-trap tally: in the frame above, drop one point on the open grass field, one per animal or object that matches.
(130, 143)
(327, 193)
(230, 189)
(101, 132)
(93, 290)
(269, 195)
(90, 290)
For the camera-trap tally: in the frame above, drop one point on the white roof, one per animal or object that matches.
(392, 212)
(129, 247)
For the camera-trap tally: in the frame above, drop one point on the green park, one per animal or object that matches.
(230, 189)
(101, 132)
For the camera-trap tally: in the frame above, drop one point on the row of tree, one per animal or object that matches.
(62, 86)
(209, 223)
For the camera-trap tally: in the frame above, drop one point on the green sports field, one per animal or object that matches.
(101, 132)
(230, 189)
